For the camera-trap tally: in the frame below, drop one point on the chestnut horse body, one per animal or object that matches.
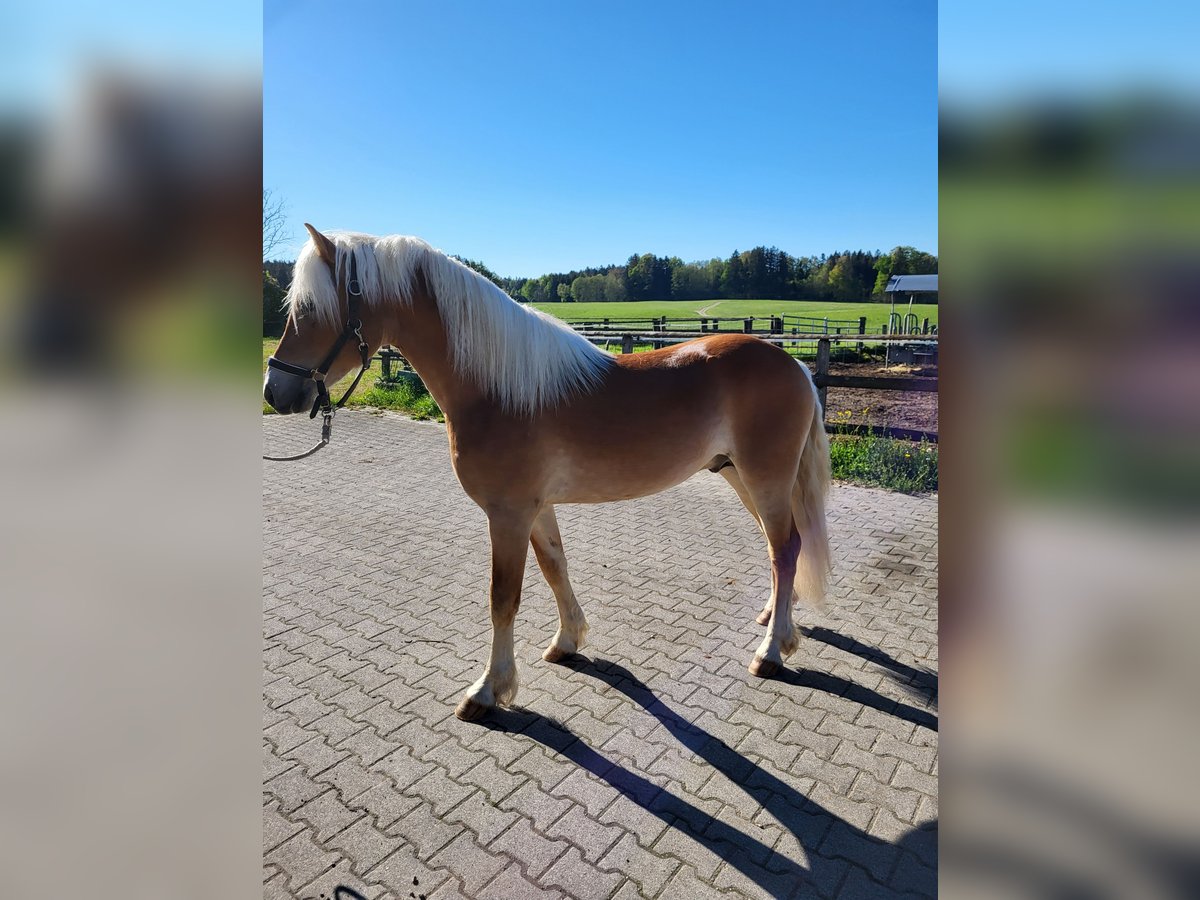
(537, 417)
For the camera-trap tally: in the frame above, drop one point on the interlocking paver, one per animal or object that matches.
(652, 766)
(534, 850)
(473, 865)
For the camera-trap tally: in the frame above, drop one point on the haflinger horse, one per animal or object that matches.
(529, 407)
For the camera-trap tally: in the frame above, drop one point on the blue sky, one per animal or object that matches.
(546, 136)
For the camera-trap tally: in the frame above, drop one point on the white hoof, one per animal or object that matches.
(565, 645)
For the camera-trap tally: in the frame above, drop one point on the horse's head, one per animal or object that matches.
(313, 339)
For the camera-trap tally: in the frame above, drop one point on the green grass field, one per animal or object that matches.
(876, 313)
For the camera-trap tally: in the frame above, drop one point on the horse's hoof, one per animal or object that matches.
(763, 617)
(554, 654)
(560, 650)
(764, 668)
(470, 709)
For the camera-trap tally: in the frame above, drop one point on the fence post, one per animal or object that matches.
(822, 371)
(385, 362)
(925, 326)
(862, 329)
(627, 343)
(748, 326)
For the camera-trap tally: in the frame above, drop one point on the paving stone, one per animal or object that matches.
(534, 850)
(327, 815)
(510, 884)
(424, 831)
(301, 859)
(277, 828)
(589, 835)
(351, 778)
(368, 746)
(686, 883)
(639, 821)
(574, 875)
(535, 804)
(471, 864)
(402, 873)
(315, 756)
(650, 871)
(365, 844)
(342, 873)
(492, 780)
(442, 792)
(287, 735)
(384, 804)
(908, 777)
(482, 816)
(292, 789)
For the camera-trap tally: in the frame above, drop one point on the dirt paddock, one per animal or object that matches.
(900, 409)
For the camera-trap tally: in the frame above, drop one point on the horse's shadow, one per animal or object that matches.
(828, 840)
(920, 682)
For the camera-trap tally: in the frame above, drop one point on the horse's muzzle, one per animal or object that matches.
(287, 393)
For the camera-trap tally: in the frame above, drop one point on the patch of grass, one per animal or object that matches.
(409, 397)
(884, 462)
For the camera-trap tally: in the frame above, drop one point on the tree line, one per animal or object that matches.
(763, 273)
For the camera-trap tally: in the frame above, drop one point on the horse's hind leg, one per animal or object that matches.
(510, 547)
(548, 548)
(731, 475)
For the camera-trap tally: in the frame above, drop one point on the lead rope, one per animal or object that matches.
(326, 433)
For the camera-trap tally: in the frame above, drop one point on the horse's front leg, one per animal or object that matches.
(510, 542)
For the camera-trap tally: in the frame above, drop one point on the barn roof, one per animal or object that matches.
(911, 284)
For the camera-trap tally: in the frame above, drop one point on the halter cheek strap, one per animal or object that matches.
(351, 291)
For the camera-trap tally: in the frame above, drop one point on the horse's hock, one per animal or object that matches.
(652, 765)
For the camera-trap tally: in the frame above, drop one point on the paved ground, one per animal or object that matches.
(654, 765)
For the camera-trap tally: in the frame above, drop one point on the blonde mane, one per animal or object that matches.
(524, 358)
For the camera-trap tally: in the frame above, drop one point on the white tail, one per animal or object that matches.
(808, 509)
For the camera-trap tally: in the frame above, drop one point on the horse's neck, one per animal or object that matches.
(417, 331)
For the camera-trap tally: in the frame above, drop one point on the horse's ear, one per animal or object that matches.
(325, 247)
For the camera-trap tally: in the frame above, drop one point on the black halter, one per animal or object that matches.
(351, 292)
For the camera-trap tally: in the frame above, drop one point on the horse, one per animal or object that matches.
(529, 404)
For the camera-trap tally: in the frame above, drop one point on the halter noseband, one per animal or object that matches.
(351, 291)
